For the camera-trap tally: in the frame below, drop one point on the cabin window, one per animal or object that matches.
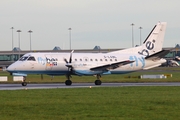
(23, 58)
(115, 59)
(75, 59)
(101, 60)
(91, 59)
(96, 60)
(80, 59)
(105, 59)
(110, 59)
(31, 58)
(86, 59)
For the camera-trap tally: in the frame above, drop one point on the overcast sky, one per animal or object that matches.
(106, 23)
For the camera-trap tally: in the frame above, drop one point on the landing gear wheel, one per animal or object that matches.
(97, 82)
(24, 83)
(68, 82)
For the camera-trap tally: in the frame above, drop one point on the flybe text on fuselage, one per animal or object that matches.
(139, 61)
(47, 61)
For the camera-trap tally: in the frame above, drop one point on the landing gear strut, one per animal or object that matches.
(98, 81)
(68, 81)
(24, 83)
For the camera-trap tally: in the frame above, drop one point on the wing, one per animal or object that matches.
(111, 66)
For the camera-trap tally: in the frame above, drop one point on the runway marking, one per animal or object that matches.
(81, 85)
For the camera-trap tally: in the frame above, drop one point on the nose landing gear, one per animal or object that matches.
(24, 83)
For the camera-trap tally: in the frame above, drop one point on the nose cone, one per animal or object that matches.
(10, 68)
(16, 70)
(13, 67)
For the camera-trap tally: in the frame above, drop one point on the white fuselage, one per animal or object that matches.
(54, 64)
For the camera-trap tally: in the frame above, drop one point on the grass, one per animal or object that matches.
(118, 103)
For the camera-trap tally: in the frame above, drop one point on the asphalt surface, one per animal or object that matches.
(80, 85)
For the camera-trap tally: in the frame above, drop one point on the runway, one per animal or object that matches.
(81, 85)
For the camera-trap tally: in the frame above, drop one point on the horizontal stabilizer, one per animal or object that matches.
(111, 66)
(157, 55)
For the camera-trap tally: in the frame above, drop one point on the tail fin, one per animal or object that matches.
(154, 42)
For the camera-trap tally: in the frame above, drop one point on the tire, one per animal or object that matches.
(97, 82)
(68, 82)
(24, 83)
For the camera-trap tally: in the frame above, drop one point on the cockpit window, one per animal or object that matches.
(23, 58)
(31, 58)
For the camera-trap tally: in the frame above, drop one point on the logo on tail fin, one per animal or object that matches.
(149, 46)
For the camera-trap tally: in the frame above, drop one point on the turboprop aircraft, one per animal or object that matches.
(143, 57)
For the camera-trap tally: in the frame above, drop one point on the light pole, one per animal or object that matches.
(19, 40)
(12, 44)
(132, 35)
(19, 37)
(12, 38)
(140, 34)
(70, 37)
(30, 31)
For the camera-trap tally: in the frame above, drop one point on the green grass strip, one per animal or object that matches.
(105, 103)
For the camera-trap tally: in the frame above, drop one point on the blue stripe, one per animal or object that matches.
(42, 72)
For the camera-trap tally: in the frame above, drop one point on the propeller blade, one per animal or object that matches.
(65, 60)
(68, 64)
(70, 59)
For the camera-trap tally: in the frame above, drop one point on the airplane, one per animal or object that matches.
(146, 56)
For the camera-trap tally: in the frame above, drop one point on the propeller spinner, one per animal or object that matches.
(68, 64)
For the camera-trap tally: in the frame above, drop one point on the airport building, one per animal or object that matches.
(8, 57)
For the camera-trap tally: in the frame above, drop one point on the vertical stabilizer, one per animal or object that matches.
(154, 41)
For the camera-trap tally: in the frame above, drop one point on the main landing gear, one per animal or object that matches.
(24, 83)
(68, 81)
(98, 81)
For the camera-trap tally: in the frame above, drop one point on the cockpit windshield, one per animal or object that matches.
(28, 58)
(23, 58)
(31, 58)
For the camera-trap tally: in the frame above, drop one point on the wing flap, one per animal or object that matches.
(111, 66)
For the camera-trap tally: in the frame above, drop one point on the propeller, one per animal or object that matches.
(68, 64)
